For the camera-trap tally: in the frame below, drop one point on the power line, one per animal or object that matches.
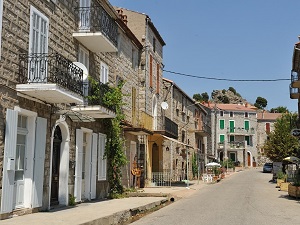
(225, 79)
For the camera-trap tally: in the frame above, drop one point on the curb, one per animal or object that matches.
(124, 217)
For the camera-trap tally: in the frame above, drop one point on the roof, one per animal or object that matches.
(268, 116)
(231, 107)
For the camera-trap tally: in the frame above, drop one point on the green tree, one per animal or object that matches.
(232, 90)
(260, 103)
(194, 165)
(280, 142)
(205, 96)
(197, 97)
(279, 109)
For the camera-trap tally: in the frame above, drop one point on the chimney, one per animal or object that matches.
(124, 18)
(246, 104)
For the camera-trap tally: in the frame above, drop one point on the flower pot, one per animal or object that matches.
(294, 191)
(279, 181)
(284, 186)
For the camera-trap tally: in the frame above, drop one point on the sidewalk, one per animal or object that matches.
(111, 211)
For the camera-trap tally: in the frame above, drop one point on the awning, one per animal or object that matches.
(76, 116)
(176, 141)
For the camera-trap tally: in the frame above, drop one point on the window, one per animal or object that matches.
(222, 138)
(230, 114)
(101, 160)
(150, 72)
(231, 138)
(268, 127)
(1, 14)
(183, 136)
(232, 156)
(134, 58)
(154, 44)
(231, 126)
(222, 124)
(222, 113)
(103, 73)
(246, 114)
(247, 139)
(246, 125)
(83, 56)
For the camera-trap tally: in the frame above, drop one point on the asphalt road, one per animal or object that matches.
(245, 198)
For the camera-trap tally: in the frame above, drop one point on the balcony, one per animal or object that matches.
(295, 81)
(294, 93)
(97, 30)
(240, 131)
(236, 145)
(221, 145)
(50, 78)
(169, 128)
(144, 125)
(94, 106)
(201, 128)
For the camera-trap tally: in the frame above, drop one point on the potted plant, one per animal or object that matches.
(281, 178)
(294, 187)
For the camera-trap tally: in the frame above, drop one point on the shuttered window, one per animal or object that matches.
(247, 139)
(222, 124)
(104, 73)
(246, 122)
(101, 159)
(222, 138)
(268, 127)
(151, 72)
(157, 78)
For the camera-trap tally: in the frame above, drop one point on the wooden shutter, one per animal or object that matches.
(101, 160)
(246, 125)
(222, 124)
(39, 159)
(150, 72)
(157, 78)
(94, 165)
(268, 128)
(78, 166)
(247, 139)
(222, 138)
(9, 155)
(133, 105)
(231, 126)
(231, 137)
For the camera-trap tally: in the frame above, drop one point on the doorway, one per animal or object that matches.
(55, 166)
(155, 158)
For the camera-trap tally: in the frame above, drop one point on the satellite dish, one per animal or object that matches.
(164, 105)
(84, 69)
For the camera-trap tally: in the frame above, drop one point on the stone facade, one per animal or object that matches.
(122, 65)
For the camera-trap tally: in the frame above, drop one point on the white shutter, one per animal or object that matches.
(78, 165)
(101, 160)
(94, 166)
(39, 159)
(8, 161)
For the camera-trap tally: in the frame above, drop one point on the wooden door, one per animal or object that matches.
(55, 166)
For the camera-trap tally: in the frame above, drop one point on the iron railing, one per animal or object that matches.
(161, 179)
(241, 130)
(96, 93)
(95, 19)
(171, 127)
(50, 68)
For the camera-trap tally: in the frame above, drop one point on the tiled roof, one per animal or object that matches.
(231, 107)
(268, 116)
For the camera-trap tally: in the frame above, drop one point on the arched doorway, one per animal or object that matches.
(57, 140)
(155, 158)
(249, 159)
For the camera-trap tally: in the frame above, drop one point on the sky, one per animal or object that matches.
(231, 39)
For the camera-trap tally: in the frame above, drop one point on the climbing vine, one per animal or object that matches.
(116, 158)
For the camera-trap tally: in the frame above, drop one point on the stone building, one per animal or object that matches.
(52, 137)
(149, 125)
(265, 125)
(191, 141)
(234, 133)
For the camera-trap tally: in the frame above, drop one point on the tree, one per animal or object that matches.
(232, 90)
(281, 143)
(279, 109)
(201, 97)
(260, 103)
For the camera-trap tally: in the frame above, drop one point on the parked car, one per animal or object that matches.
(267, 168)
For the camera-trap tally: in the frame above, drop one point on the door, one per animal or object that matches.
(55, 166)
(155, 158)
(249, 159)
(19, 171)
(85, 15)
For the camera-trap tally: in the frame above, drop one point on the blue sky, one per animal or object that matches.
(232, 39)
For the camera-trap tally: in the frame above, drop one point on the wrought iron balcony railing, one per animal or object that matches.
(95, 19)
(171, 127)
(96, 93)
(50, 68)
(235, 144)
(240, 130)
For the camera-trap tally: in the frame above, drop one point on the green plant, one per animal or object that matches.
(228, 163)
(297, 178)
(194, 165)
(72, 200)
(281, 175)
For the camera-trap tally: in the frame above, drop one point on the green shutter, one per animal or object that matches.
(247, 139)
(222, 124)
(222, 138)
(231, 126)
(246, 125)
(231, 138)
